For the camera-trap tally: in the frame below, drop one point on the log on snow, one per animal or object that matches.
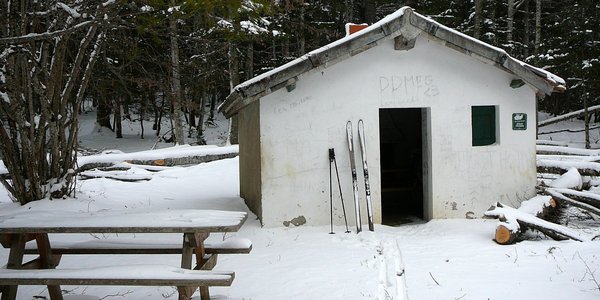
(562, 199)
(506, 234)
(569, 180)
(560, 167)
(514, 221)
(559, 150)
(584, 197)
(125, 178)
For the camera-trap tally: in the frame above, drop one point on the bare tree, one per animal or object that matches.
(48, 50)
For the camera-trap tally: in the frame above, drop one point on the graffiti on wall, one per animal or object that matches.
(402, 89)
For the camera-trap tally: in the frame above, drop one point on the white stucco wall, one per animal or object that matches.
(298, 127)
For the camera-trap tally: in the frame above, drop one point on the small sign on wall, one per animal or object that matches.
(519, 121)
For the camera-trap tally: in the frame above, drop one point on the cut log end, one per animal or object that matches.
(553, 203)
(159, 162)
(505, 236)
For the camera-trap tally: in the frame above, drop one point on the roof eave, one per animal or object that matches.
(249, 92)
(408, 24)
(488, 53)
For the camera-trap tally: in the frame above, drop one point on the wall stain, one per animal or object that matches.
(297, 221)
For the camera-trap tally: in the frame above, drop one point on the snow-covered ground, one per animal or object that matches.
(444, 259)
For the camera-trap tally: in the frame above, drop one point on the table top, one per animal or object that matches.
(122, 221)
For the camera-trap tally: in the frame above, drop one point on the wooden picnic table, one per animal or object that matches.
(16, 229)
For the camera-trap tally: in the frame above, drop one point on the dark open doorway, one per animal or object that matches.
(401, 158)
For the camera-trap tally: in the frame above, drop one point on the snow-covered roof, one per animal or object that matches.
(403, 23)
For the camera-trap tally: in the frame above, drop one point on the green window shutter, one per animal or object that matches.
(483, 125)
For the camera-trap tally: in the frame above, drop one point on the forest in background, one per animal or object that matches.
(223, 45)
(178, 59)
(182, 57)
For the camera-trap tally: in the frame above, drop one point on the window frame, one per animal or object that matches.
(484, 124)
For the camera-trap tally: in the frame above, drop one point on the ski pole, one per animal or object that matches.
(337, 173)
(331, 158)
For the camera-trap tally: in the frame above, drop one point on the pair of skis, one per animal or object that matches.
(361, 138)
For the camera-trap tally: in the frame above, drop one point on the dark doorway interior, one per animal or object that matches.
(400, 135)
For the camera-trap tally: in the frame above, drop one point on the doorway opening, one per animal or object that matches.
(401, 159)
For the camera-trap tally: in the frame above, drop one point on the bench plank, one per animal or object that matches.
(169, 221)
(134, 275)
(234, 246)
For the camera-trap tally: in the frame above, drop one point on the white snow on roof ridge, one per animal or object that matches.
(306, 56)
(377, 25)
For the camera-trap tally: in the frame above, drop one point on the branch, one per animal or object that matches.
(44, 36)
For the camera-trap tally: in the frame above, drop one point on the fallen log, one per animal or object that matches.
(174, 156)
(542, 207)
(560, 167)
(585, 197)
(551, 143)
(559, 150)
(515, 221)
(569, 180)
(569, 157)
(125, 178)
(564, 200)
(181, 161)
(506, 233)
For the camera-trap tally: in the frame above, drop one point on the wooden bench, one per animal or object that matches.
(128, 247)
(29, 233)
(135, 275)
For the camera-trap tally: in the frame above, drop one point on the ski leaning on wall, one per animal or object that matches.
(354, 179)
(363, 154)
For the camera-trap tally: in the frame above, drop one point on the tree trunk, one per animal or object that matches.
(118, 118)
(193, 110)
(478, 18)
(301, 37)
(176, 97)
(103, 112)
(349, 13)
(369, 11)
(510, 21)
(233, 81)
(538, 26)
(200, 128)
(143, 103)
(527, 29)
(213, 107)
(161, 111)
(250, 60)
(586, 118)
